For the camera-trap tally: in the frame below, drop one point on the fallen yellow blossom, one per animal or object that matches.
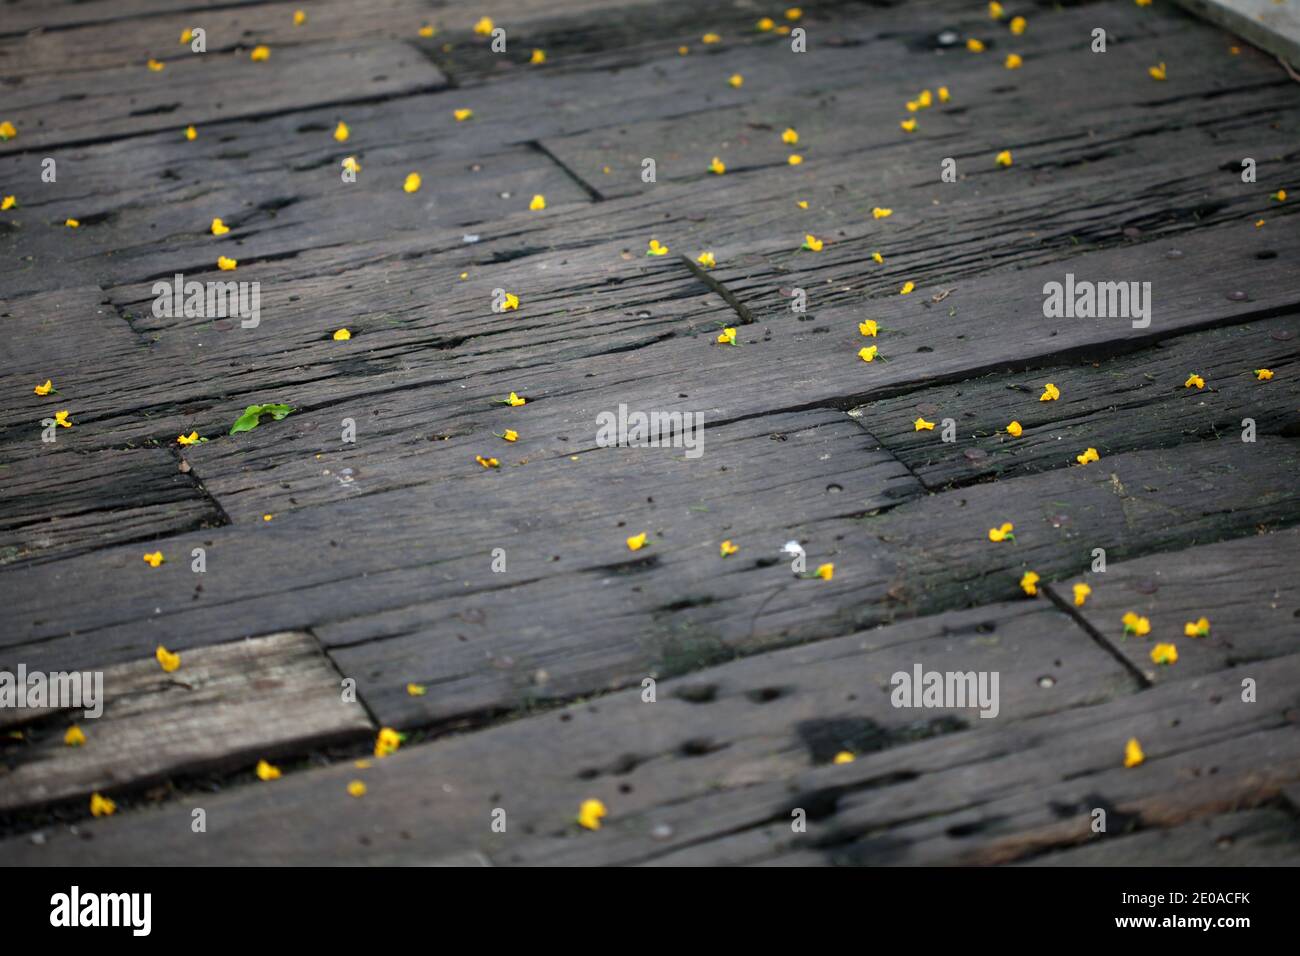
(921, 425)
(1050, 393)
(1018, 25)
(590, 813)
(101, 806)
(656, 248)
(342, 335)
(341, 132)
(1013, 61)
(412, 183)
(1263, 374)
(267, 771)
(44, 389)
(74, 737)
(636, 542)
(191, 439)
(537, 203)
(727, 337)
(717, 166)
(227, 264)
(1135, 624)
(1029, 583)
(1157, 72)
(812, 243)
(790, 137)
(879, 213)
(356, 789)
(867, 353)
(387, 741)
(727, 549)
(1089, 454)
(1003, 158)
(154, 558)
(1003, 533)
(219, 228)
(1081, 592)
(166, 659)
(1133, 754)
(1164, 654)
(1014, 429)
(736, 80)
(1198, 628)
(907, 288)
(706, 259)
(462, 114)
(260, 54)
(974, 45)
(538, 57)
(843, 757)
(1194, 380)
(484, 26)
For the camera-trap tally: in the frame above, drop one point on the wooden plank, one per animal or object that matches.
(754, 720)
(227, 704)
(1268, 24)
(125, 101)
(1247, 588)
(1265, 837)
(1113, 404)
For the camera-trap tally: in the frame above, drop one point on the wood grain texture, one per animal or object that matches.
(226, 705)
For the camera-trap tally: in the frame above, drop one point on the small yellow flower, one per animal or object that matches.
(538, 57)
(879, 213)
(1089, 454)
(636, 542)
(267, 771)
(416, 690)
(789, 137)
(44, 389)
(706, 259)
(226, 264)
(191, 133)
(351, 165)
(72, 223)
(8, 203)
(1018, 25)
(537, 203)
(412, 183)
(812, 243)
(1263, 374)
(342, 335)
(260, 54)
(1029, 583)
(1279, 196)
(1136, 624)
(61, 419)
(1198, 628)
(462, 114)
(907, 288)
(341, 132)
(1157, 72)
(908, 125)
(878, 258)
(717, 167)
(508, 435)
(1013, 61)
(1143, 3)
(656, 248)
(268, 517)
(944, 95)
(1164, 654)
(1003, 158)
(101, 806)
(825, 571)
(510, 303)
(1081, 592)
(1133, 754)
(710, 38)
(166, 659)
(869, 328)
(1015, 429)
(727, 337)
(514, 401)
(794, 13)
(484, 26)
(1194, 380)
(765, 24)
(736, 80)
(186, 36)
(7, 131)
(868, 353)
(191, 439)
(1003, 533)
(356, 789)
(1050, 393)
(156, 66)
(219, 228)
(487, 462)
(590, 814)
(727, 549)
(925, 100)
(975, 46)
(921, 425)
(843, 757)
(683, 50)
(74, 737)
(1259, 223)
(802, 203)
(427, 31)
(794, 159)
(154, 558)
(996, 11)
(913, 106)
(387, 742)
(299, 18)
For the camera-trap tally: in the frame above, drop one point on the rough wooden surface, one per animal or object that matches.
(518, 684)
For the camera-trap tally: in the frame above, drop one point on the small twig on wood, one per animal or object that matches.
(1290, 72)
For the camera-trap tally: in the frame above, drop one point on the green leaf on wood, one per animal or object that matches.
(252, 416)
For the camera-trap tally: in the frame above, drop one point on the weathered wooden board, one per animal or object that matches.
(1268, 24)
(227, 704)
(727, 727)
(991, 795)
(125, 101)
(1137, 400)
(1247, 588)
(1267, 837)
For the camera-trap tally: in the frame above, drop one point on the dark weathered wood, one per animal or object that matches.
(1266, 837)
(225, 705)
(730, 726)
(1247, 589)
(1114, 404)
